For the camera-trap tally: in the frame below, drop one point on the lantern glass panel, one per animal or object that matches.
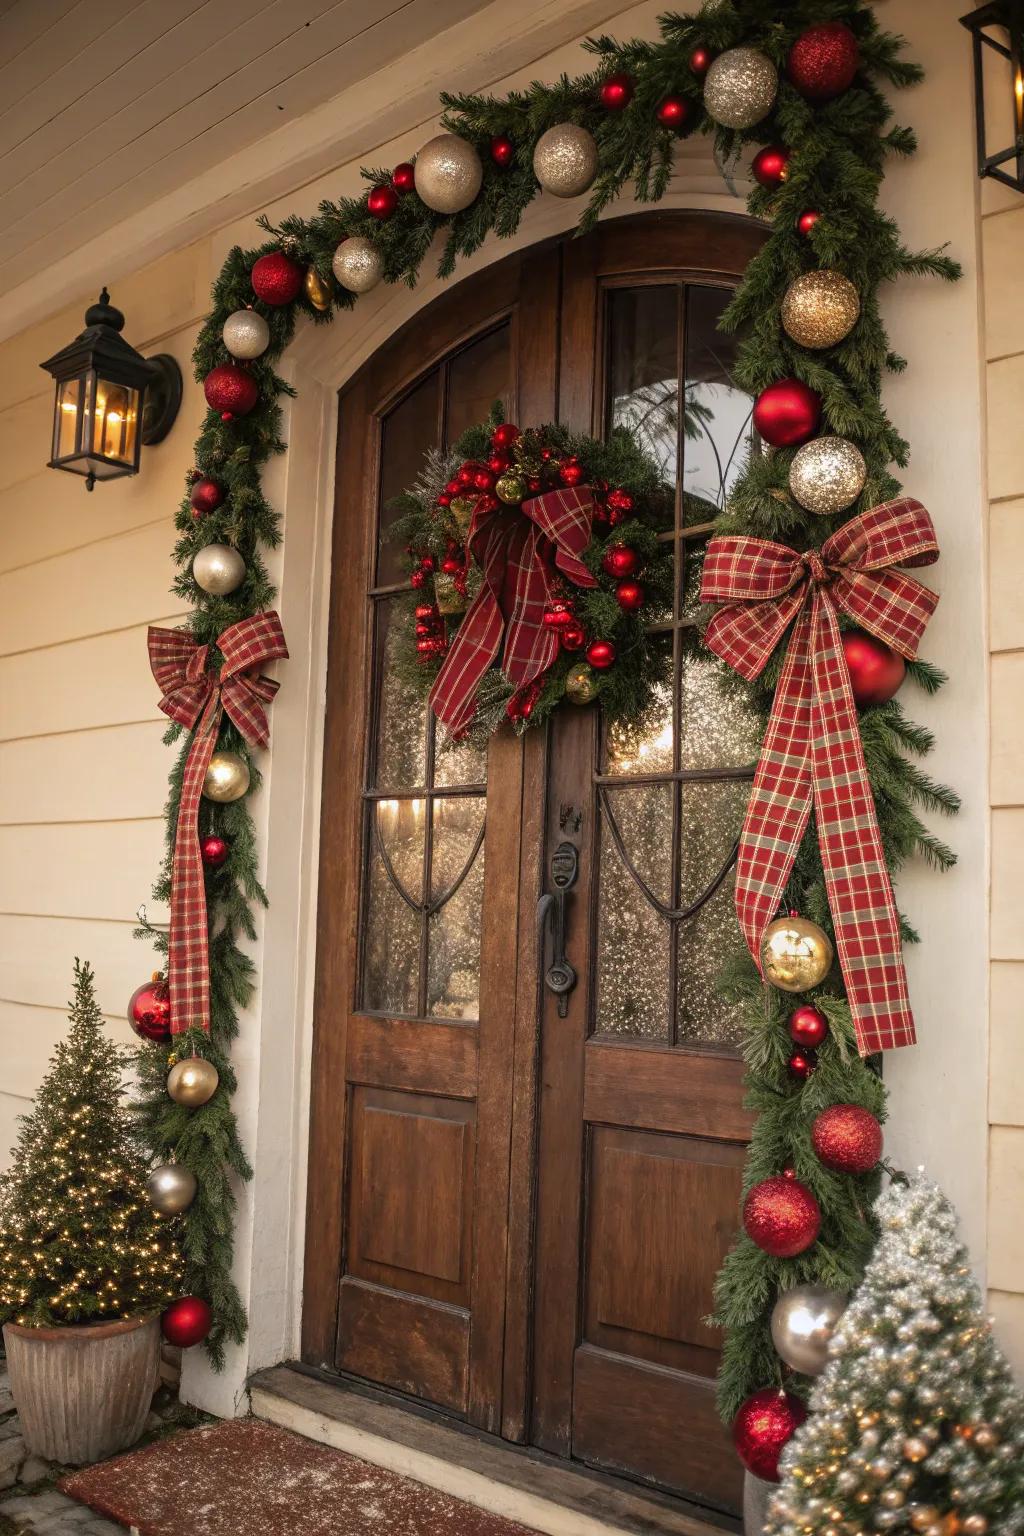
(66, 425)
(115, 422)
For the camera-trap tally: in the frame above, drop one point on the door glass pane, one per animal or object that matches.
(718, 729)
(633, 939)
(391, 944)
(457, 874)
(458, 762)
(400, 836)
(711, 815)
(644, 371)
(703, 942)
(478, 376)
(401, 745)
(716, 415)
(410, 429)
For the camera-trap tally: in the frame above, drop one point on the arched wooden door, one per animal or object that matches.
(516, 1215)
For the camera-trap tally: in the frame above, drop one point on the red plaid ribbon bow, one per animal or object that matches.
(519, 550)
(812, 752)
(192, 694)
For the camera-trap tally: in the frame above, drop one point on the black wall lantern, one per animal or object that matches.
(998, 33)
(110, 399)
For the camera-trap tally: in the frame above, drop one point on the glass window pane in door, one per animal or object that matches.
(718, 729)
(457, 877)
(410, 429)
(633, 939)
(703, 943)
(643, 371)
(400, 755)
(716, 414)
(478, 376)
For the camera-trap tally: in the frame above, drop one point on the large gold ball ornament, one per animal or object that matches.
(227, 777)
(565, 160)
(796, 954)
(580, 683)
(448, 173)
(192, 1082)
(357, 264)
(740, 88)
(319, 289)
(827, 475)
(172, 1188)
(246, 334)
(218, 569)
(510, 488)
(820, 309)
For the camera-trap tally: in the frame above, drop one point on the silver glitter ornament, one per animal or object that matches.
(172, 1188)
(803, 1321)
(227, 778)
(565, 160)
(448, 173)
(357, 264)
(827, 475)
(246, 334)
(218, 569)
(740, 88)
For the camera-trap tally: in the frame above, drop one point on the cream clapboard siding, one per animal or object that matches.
(83, 771)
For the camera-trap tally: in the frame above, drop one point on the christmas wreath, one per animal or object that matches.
(537, 565)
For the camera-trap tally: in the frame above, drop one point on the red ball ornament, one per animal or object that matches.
(847, 1139)
(214, 851)
(571, 472)
(787, 413)
(451, 566)
(444, 500)
(464, 475)
(573, 637)
(823, 61)
(502, 150)
(620, 561)
(673, 112)
(807, 220)
(403, 177)
(231, 390)
(276, 279)
(498, 462)
(617, 92)
(601, 655)
(483, 479)
(771, 165)
(505, 435)
(187, 1321)
(802, 1064)
(700, 60)
(381, 202)
(630, 596)
(808, 1027)
(207, 495)
(876, 671)
(620, 504)
(761, 1428)
(782, 1217)
(149, 1011)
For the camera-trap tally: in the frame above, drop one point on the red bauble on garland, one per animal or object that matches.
(847, 1139)
(572, 637)
(381, 202)
(187, 1321)
(761, 1428)
(276, 279)
(214, 850)
(700, 60)
(823, 61)
(403, 177)
(149, 1011)
(502, 150)
(571, 472)
(807, 220)
(781, 1216)
(505, 435)
(207, 495)
(808, 1027)
(787, 413)
(802, 1063)
(231, 390)
(771, 165)
(601, 655)
(617, 92)
(630, 596)
(876, 671)
(619, 561)
(673, 112)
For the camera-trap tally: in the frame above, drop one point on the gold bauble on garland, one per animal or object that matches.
(580, 683)
(796, 954)
(740, 88)
(448, 173)
(358, 264)
(510, 488)
(827, 475)
(820, 309)
(319, 289)
(172, 1189)
(192, 1082)
(565, 160)
(227, 777)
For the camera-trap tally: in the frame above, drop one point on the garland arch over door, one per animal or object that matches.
(516, 1215)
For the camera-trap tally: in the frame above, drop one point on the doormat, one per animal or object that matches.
(244, 1476)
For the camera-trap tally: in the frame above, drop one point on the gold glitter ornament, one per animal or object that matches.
(820, 309)
(319, 289)
(448, 173)
(510, 488)
(580, 683)
(796, 954)
(192, 1082)
(358, 264)
(227, 777)
(740, 88)
(827, 475)
(565, 160)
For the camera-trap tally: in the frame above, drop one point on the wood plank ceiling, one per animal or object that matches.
(109, 104)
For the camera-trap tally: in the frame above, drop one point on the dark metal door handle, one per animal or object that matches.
(559, 977)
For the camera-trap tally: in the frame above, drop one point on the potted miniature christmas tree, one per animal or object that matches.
(86, 1266)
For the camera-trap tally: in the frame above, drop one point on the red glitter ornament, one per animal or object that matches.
(403, 177)
(483, 478)
(801, 1064)
(276, 279)
(823, 61)
(464, 475)
(502, 150)
(630, 596)
(187, 1321)
(787, 413)
(444, 500)
(617, 92)
(451, 565)
(620, 504)
(573, 637)
(620, 561)
(214, 851)
(149, 1011)
(876, 671)
(807, 220)
(782, 1217)
(673, 112)
(601, 655)
(761, 1428)
(571, 472)
(700, 60)
(808, 1027)
(498, 462)
(453, 488)
(381, 202)
(207, 495)
(847, 1139)
(771, 165)
(231, 390)
(505, 435)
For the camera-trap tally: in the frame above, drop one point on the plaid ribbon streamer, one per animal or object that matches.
(812, 752)
(195, 698)
(519, 550)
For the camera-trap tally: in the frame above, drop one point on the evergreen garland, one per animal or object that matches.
(838, 153)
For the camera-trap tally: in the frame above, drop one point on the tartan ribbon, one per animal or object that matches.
(812, 755)
(520, 551)
(195, 698)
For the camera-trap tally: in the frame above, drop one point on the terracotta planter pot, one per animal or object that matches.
(83, 1392)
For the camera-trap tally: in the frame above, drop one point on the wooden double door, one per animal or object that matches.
(519, 1198)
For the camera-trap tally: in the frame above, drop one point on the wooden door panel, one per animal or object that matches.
(412, 1344)
(667, 1091)
(418, 1055)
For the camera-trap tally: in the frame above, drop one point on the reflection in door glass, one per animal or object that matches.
(644, 371)
(716, 414)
